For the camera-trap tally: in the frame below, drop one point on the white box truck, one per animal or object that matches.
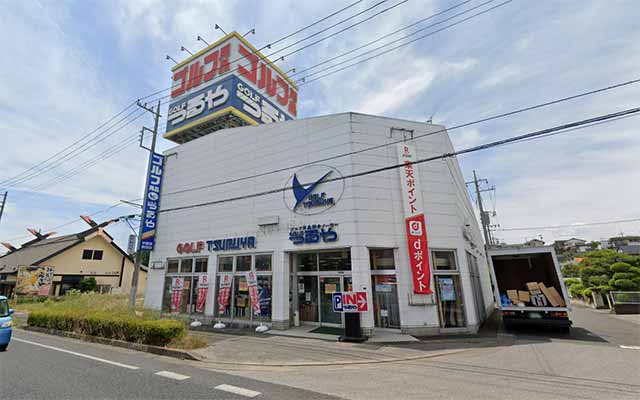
(516, 272)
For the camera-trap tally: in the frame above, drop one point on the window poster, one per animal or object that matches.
(447, 290)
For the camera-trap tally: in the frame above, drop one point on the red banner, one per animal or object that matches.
(177, 284)
(252, 281)
(418, 254)
(414, 219)
(223, 293)
(203, 288)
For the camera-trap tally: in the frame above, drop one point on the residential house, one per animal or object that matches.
(90, 253)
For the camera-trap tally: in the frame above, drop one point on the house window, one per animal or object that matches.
(92, 254)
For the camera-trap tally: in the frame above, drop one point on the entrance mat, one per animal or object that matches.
(327, 330)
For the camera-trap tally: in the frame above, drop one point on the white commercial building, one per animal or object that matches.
(293, 203)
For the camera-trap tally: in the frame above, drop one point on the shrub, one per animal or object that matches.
(624, 284)
(623, 275)
(604, 289)
(88, 285)
(587, 293)
(571, 281)
(620, 267)
(576, 290)
(635, 270)
(122, 327)
(598, 280)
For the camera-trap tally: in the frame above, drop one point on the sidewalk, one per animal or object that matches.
(284, 351)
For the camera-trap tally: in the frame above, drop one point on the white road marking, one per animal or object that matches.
(117, 364)
(630, 347)
(238, 390)
(173, 375)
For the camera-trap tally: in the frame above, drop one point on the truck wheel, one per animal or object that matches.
(3, 347)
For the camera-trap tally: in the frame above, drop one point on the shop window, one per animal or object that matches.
(264, 295)
(202, 264)
(243, 263)
(97, 254)
(450, 301)
(225, 264)
(186, 265)
(242, 302)
(382, 259)
(172, 266)
(239, 302)
(335, 260)
(444, 261)
(308, 262)
(263, 262)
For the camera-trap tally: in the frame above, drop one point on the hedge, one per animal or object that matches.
(122, 327)
(624, 284)
(620, 267)
(624, 275)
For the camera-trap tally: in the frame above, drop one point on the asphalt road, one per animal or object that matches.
(39, 366)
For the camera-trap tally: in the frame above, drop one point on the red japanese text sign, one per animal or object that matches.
(415, 226)
(223, 293)
(252, 282)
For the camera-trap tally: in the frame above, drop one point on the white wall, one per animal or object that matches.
(369, 213)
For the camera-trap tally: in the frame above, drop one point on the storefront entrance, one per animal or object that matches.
(315, 277)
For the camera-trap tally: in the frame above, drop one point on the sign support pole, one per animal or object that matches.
(4, 201)
(136, 268)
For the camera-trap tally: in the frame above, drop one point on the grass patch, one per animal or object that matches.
(188, 342)
(107, 316)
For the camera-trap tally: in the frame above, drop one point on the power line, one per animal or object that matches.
(424, 160)
(382, 37)
(306, 82)
(340, 31)
(69, 146)
(415, 137)
(79, 150)
(311, 25)
(575, 225)
(391, 42)
(37, 168)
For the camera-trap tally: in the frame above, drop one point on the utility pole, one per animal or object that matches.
(484, 215)
(4, 201)
(152, 149)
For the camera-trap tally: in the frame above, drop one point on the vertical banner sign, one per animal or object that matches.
(252, 281)
(414, 220)
(177, 284)
(152, 202)
(223, 293)
(203, 288)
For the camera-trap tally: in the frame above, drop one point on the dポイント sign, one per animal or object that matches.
(416, 229)
(151, 202)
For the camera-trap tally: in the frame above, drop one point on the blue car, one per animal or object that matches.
(5, 323)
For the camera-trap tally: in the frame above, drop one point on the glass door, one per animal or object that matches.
(328, 286)
(307, 289)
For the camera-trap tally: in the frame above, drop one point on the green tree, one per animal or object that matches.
(88, 285)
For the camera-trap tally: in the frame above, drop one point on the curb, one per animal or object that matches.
(162, 351)
(335, 363)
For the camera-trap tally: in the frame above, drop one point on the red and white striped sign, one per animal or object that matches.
(203, 288)
(252, 282)
(223, 293)
(177, 284)
(414, 220)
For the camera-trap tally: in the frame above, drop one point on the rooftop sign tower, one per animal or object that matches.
(227, 84)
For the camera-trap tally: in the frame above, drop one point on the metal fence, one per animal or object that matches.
(625, 297)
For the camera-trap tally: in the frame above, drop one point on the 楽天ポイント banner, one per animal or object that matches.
(415, 226)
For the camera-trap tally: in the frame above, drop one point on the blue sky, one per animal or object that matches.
(69, 66)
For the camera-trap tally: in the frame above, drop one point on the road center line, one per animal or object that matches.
(630, 347)
(117, 364)
(172, 375)
(238, 390)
